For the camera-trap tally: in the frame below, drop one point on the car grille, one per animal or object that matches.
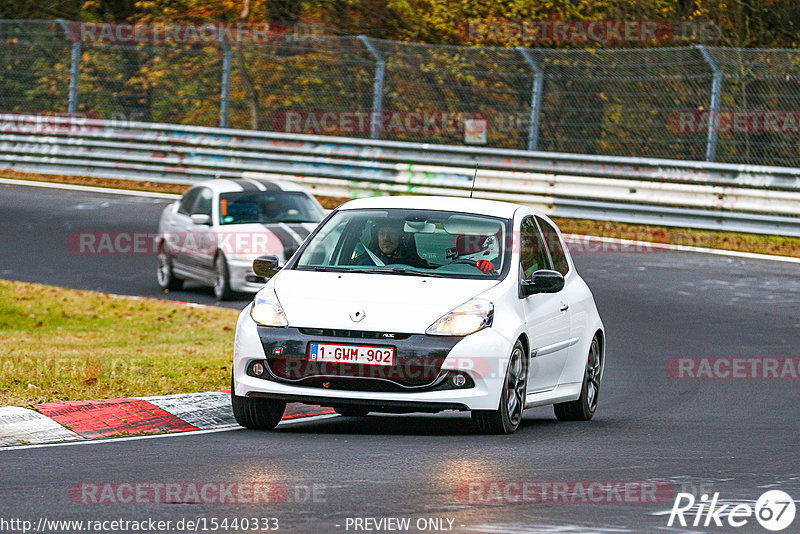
(403, 377)
(363, 384)
(355, 334)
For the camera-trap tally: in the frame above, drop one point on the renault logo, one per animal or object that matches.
(356, 316)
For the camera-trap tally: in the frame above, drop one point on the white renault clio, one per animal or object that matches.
(422, 304)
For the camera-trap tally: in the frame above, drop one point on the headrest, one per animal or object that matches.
(469, 244)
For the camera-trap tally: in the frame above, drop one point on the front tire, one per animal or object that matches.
(508, 415)
(256, 413)
(222, 279)
(583, 409)
(166, 277)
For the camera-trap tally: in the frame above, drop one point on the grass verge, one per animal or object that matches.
(64, 344)
(756, 243)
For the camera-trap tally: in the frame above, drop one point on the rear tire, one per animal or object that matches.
(584, 408)
(166, 278)
(351, 411)
(222, 279)
(508, 415)
(256, 413)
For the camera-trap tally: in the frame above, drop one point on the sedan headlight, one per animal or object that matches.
(468, 318)
(266, 310)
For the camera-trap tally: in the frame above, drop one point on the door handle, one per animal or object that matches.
(564, 307)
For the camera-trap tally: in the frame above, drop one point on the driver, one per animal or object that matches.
(395, 245)
(271, 210)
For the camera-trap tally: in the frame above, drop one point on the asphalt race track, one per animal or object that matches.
(37, 223)
(737, 437)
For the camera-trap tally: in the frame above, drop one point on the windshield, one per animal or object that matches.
(268, 207)
(410, 242)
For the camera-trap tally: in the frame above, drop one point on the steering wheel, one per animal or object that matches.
(474, 263)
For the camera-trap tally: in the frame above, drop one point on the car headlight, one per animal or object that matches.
(468, 318)
(266, 310)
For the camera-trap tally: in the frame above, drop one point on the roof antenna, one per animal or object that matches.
(474, 176)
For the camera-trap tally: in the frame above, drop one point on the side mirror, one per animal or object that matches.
(201, 219)
(543, 281)
(266, 266)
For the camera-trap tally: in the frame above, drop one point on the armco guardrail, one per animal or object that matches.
(666, 192)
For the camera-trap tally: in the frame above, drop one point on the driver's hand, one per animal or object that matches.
(485, 266)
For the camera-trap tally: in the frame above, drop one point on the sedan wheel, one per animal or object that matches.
(583, 409)
(222, 283)
(507, 417)
(166, 278)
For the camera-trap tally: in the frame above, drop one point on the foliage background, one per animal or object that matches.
(612, 99)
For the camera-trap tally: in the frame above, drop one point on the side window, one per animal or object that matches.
(188, 201)
(533, 255)
(203, 205)
(555, 246)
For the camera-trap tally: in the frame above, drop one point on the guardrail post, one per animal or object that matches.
(74, 69)
(716, 90)
(225, 91)
(377, 90)
(536, 97)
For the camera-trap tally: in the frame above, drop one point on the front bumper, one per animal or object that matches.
(242, 278)
(385, 406)
(417, 364)
(482, 356)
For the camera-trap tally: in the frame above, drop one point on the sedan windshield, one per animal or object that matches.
(410, 242)
(268, 207)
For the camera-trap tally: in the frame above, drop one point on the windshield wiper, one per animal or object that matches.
(379, 270)
(321, 268)
(404, 271)
(333, 269)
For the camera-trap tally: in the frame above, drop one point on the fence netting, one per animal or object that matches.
(646, 102)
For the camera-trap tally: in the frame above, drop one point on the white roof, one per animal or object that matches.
(464, 205)
(229, 185)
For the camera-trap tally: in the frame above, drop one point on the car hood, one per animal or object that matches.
(389, 303)
(251, 240)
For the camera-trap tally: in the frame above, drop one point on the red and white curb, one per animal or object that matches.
(66, 421)
(21, 426)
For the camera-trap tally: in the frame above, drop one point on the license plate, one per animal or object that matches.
(362, 354)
